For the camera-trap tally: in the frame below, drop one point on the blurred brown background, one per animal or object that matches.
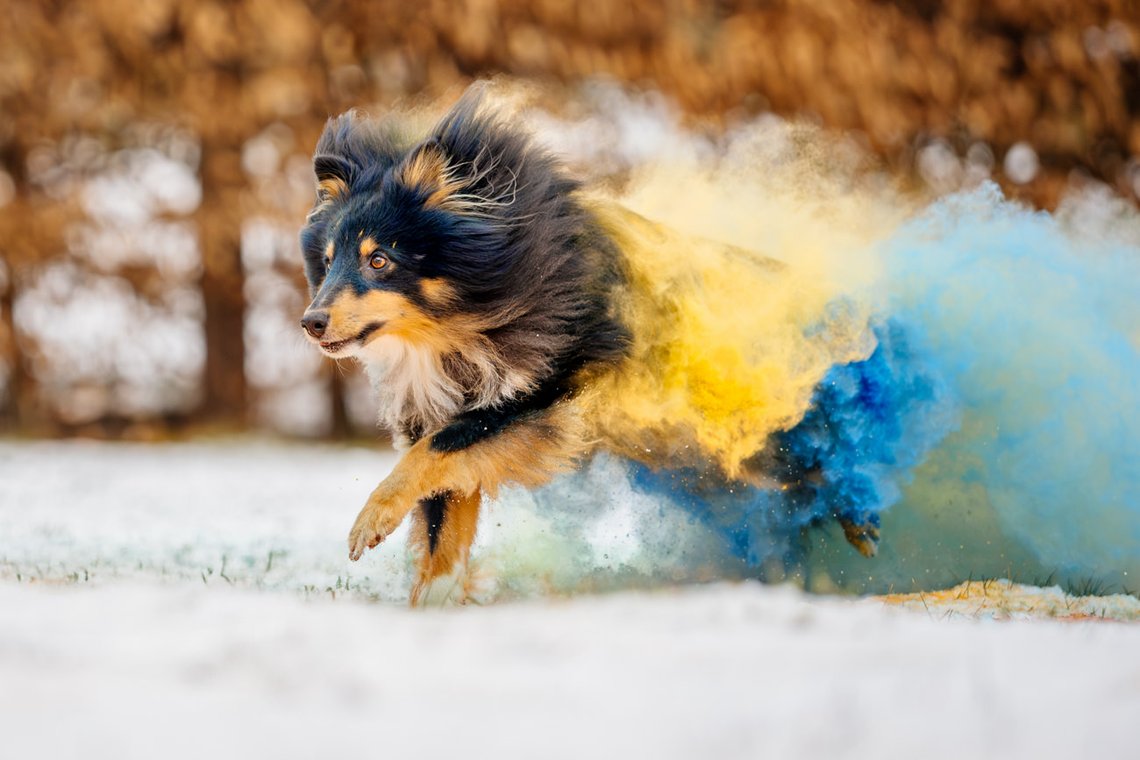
(154, 155)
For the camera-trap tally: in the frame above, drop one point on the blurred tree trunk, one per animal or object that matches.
(18, 236)
(219, 228)
(11, 403)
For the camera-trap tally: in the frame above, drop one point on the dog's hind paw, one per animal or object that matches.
(450, 588)
(864, 537)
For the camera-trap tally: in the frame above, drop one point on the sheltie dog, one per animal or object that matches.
(513, 323)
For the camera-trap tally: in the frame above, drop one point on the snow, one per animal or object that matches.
(121, 638)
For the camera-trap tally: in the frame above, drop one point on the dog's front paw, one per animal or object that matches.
(374, 523)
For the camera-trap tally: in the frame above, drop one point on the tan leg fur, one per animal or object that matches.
(454, 536)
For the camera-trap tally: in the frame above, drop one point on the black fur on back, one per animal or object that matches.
(528, 261)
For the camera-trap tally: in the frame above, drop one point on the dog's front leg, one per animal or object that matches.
(485, 451)
(395, 497)
(385, 509)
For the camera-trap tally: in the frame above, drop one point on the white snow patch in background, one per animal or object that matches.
(100, 361)
(1021, 164)
(141, 184)
(120, 637)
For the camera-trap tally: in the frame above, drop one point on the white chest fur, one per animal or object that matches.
(411, 386)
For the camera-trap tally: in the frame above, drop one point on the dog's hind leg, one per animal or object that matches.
(443, 528)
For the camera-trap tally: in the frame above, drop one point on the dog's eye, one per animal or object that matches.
(378, 261)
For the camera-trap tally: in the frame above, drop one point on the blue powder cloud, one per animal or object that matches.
(1035, 323)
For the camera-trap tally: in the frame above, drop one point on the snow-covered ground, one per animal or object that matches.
(196, 600)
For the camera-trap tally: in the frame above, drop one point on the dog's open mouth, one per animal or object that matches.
(335, 346)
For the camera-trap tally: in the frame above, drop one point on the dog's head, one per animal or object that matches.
(372, 249)
(421, 243)
(461, 269)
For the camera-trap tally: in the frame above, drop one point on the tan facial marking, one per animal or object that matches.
(367, 246)
(350, 313)
(438, 291)
(330, 249)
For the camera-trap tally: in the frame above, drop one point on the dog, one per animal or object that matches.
(513, 324)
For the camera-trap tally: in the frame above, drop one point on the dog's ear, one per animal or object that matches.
(333, 173)
(428, 172)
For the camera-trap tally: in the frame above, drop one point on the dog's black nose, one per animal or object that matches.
(315, 322)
